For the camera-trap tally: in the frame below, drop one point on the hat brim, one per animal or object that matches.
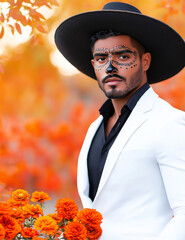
(166, 46)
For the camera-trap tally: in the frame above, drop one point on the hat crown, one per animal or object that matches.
(120, 6)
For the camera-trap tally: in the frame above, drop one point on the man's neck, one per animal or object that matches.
(118, 103)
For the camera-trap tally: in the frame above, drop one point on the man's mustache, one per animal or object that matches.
(111, 76)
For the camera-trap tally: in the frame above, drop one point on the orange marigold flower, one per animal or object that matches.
(66, 208)
(75, 230)
(29, 232)
(2, 232)
(31, 210)
(89, 217)
(93, 233)
(37, 238)
(21, 196)
(11, 226)
(4, 208)
(55, 217)
(46, 224)
(14, 204)
(40, 197)
(18, 214)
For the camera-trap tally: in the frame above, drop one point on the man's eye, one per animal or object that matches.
(100, 59)
(124, 57)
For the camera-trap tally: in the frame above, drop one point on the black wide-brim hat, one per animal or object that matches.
(166, 46)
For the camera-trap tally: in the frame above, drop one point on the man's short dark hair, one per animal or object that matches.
(109, 33)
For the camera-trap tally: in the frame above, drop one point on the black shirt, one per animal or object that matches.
(101, 145)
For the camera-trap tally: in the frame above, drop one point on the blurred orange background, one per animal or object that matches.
(46, 105)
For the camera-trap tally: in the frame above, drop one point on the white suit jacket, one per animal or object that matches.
(143, 181)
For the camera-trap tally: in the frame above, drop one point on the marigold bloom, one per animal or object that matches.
(75, 230)
(31, 210)
(46, 224)
(55, 217)
(37, 238)
(89, 217)
(2, 232)
(11, 226)
(40, 197)
(14, 204)
(21, 196)
(4, 208)
(29, 233)
(93, 233)
(18, 214)
(66, 208)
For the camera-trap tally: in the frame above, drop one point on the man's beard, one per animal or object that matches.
(115, 93)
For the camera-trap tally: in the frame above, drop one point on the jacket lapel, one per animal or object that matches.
(136, 119)
(82, 176)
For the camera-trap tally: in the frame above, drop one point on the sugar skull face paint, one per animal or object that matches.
(115, 57)
(117, 66)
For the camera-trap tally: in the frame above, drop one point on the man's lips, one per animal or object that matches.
(113, 80)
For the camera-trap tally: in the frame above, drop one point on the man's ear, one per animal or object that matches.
(92, 62)
(146, 60)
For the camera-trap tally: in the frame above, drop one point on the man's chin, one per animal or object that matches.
(115, 96)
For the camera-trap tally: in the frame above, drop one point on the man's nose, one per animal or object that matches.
(111, 68)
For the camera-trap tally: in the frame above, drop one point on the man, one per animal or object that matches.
(132, 164)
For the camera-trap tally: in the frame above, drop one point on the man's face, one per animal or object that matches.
(118, 67)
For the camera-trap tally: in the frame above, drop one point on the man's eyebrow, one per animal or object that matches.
(112, 52)
(100, 54)
(121, 51)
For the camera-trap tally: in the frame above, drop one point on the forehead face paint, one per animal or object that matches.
(118, 56)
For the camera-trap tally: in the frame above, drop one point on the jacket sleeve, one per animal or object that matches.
(170, 154)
